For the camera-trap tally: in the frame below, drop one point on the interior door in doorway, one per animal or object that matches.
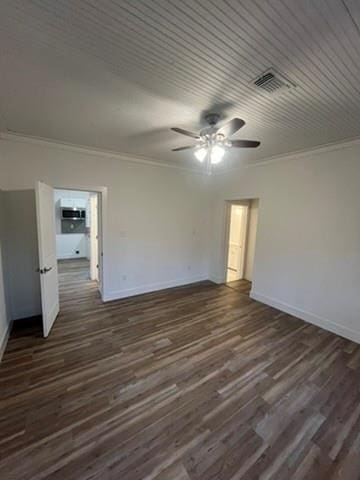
(237, 236)
(45, 213)
(94, 251)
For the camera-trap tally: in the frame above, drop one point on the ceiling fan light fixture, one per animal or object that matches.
(217, 153)
(200, 154)
(213, 142)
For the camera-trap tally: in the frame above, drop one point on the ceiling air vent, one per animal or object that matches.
(272, 82)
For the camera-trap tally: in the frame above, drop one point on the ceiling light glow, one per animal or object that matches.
(200, 154)
(217, 153)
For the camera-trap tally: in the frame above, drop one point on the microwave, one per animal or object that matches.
(73, 213)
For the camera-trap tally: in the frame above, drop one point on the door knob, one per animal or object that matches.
(43, 270)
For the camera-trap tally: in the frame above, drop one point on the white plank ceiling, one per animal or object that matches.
(118, 74)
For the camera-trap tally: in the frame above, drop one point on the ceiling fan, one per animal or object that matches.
(213, 141)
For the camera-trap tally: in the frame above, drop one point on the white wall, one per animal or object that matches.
(157, 225)
(251, 239)
(308, 238)
(4, 317)
(157, 231)
(67, 244)
(22, 258)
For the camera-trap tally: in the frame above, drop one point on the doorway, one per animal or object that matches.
(240, 244)
(70, 243)
(76, 223)
(236, 246)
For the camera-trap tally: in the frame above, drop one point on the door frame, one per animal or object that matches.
(246, 202)
(102, 193)
(242, 239)
(228, 205)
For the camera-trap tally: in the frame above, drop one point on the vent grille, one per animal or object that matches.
(272, 82)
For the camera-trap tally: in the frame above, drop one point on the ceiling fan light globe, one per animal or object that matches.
(217, 154)
(200, 154)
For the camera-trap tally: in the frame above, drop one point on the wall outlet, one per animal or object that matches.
(124, 277)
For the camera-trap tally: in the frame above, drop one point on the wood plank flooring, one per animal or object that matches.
(242, 286)
(73, 271)
(198, 382)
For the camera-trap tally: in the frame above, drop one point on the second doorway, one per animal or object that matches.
(243, 216)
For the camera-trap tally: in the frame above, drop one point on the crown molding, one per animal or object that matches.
(328, 147)
(127, 157)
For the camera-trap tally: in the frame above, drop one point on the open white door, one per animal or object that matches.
(94, 253)
(237, 238)
(45, 213)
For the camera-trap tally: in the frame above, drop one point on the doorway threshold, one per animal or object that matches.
(242, 286)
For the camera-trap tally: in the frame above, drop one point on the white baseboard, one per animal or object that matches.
(308, 317)
(153, 287)
(4, 340)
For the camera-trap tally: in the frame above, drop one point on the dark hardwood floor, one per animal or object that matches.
(198, 382)
(73, 271)
(242, 286)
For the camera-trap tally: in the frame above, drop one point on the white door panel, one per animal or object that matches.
(237, 237)
(45, 213)
(94, 253)
(234, 256)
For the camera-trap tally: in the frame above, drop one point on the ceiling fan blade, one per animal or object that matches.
(182, 148)
(245, 143)
(231, 127)
(185, 132)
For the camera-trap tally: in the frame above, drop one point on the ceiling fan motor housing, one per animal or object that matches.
(212, 118)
